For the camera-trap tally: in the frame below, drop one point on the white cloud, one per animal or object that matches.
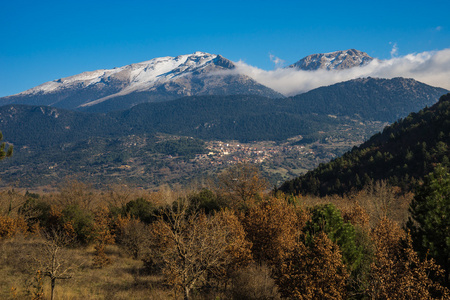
(394, 51)
(279, 63)
(432, 68)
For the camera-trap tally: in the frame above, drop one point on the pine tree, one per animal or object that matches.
(3, 151)
(430, 222)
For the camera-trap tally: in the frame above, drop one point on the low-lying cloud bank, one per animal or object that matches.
(432, 68)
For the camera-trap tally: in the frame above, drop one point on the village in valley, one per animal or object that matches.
(235, 152)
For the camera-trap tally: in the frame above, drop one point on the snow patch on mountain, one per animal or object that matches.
(135, 77)
(337, 60)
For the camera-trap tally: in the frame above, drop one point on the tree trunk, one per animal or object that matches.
(53, 287)
(186, 293)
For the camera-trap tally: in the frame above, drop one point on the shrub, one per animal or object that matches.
(133, 237)
(10, 227)
(140, 209)
(81, 221)
(206, 201)
(254, 283)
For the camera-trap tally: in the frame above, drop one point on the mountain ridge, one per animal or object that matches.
(168, 78)
(337, 60)
(393, 98)
(161, 79)
(238, 117)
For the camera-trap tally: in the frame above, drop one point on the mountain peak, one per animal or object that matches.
(337, 60)
(158, 79)
(136, 76)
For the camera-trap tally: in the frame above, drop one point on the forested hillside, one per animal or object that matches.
(44, 126)
(52, 143)
(370, 98)
(240, 117)
(402, 154)
(243, 118)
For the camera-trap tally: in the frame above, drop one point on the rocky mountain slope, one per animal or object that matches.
(159, 79)
(337, 60)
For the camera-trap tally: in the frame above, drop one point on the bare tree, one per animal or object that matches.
(53, 259)
(120, 194)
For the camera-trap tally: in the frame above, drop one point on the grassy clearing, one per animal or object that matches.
(123, 279)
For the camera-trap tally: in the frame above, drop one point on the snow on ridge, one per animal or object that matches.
(143, 76)
(343, 59)
(136, 76)
(90, 77)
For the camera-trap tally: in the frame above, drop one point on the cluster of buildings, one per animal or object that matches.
(220, 153)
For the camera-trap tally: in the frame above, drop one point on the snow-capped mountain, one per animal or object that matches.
(159, 79)
(135, 77)
(337, 60)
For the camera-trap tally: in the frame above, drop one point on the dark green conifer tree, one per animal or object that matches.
(430, 222)
(5, 152)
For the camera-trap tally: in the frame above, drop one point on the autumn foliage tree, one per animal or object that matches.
(12, 221)
(191, 247)
(240, 184)
(397, 272)
(238, 251)
(305, 262)
(273, 226)
(313, 271)
(103, 236)
(131, 235)
(10, 226)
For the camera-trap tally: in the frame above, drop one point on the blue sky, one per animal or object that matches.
(47, 40)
